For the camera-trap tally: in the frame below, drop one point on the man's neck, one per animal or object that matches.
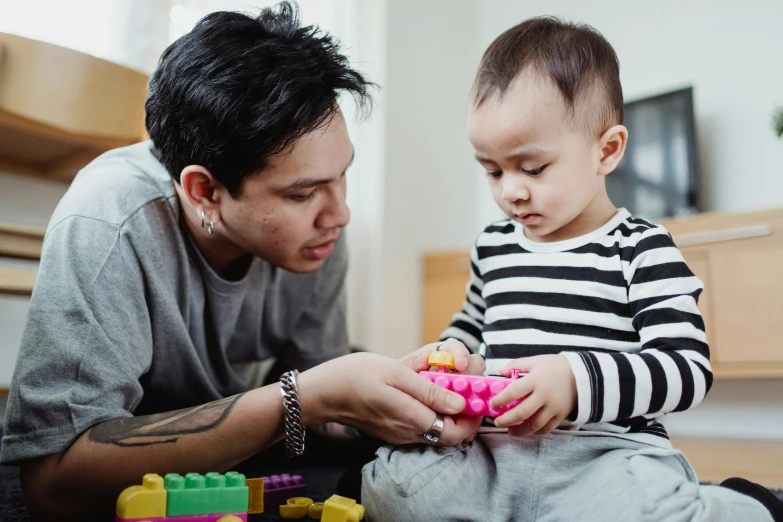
(224, 257)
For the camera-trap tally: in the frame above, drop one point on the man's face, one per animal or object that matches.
(291, 214)
(542, 171)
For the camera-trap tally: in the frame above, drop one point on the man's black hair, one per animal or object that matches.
(238, 89)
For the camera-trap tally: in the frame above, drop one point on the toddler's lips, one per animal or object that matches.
(527, 219)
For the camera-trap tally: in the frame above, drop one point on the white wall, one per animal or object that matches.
(367, 49)
(26, 201)
(729, 52)
(428, 203)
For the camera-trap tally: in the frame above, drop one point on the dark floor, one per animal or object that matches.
(323, 472)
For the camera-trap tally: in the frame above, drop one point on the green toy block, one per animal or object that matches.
(196, 494)
(235, 493)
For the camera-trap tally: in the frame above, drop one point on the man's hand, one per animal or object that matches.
(383, 397)
(549, 392)
(464, 362)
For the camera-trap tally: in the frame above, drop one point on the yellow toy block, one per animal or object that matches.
(442, 360)
(316, 510)
(145, 501)
(342, 509)
(255, 496)
(295, 507)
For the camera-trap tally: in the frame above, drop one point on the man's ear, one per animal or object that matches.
(201, 189)
(612, 143)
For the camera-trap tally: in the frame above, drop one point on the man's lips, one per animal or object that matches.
(320, 251)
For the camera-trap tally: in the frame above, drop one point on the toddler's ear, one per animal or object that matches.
(612, 143)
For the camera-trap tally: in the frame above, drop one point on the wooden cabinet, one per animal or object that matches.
(739, 257)
(749, 315)
(715, 460)
(21, 242)
(59, 108)
(446, 277)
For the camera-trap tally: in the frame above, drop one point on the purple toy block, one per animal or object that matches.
(186, 518)
(279, 488)
(477, 390)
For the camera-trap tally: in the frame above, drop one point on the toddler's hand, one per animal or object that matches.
(549, 392)
(464, 361)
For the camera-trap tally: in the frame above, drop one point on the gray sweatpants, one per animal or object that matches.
(558, 477)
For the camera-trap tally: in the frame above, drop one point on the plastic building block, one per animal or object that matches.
(219, 498)
(298, 507)
(215, 517)
(279, 488)
(255, 495)
(342, 509)
(478, 390)
(213, 493)
(146, 500)
(315, 510)
(295, 507)
(443, 360)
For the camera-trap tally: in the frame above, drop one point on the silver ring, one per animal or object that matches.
(433, 434)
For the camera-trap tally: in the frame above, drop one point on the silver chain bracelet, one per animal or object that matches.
(294, 431)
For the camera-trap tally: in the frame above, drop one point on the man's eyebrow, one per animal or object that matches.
(306, 183)
(310, 182)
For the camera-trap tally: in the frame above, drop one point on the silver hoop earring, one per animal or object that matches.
(203, 215)
(211, 227)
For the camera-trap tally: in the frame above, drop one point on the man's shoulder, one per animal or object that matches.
(116, 185)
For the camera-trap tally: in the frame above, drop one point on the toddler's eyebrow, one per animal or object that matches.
(525, 152)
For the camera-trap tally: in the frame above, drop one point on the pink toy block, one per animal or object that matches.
(279, 488)
(186, 518)
(477, 390)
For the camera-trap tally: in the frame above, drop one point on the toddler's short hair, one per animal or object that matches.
(576, 57)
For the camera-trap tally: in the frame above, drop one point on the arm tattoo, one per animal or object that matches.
(163, 428)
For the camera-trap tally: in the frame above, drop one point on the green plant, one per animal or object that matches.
(778, 121)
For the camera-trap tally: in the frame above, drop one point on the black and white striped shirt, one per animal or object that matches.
(620, 303)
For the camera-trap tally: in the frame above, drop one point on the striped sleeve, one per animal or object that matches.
(466, 325)
(672, 370)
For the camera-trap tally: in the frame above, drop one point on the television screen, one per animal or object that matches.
(658, 177)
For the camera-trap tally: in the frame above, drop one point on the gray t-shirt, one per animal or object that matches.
(127, 318)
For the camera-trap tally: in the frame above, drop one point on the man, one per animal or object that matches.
(171, 269)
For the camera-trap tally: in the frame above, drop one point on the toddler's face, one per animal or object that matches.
(542, 169)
